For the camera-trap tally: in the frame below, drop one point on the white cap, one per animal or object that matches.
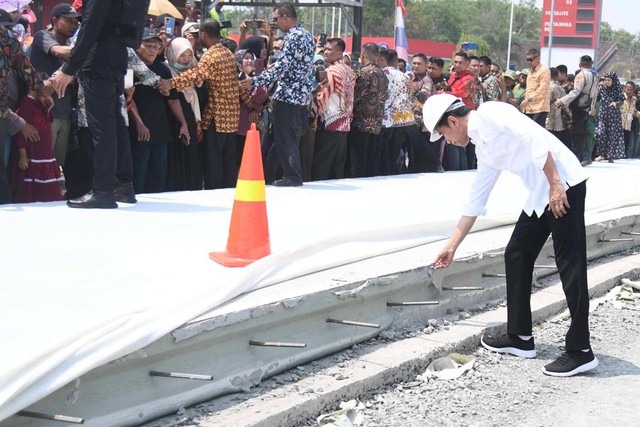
(434, 108)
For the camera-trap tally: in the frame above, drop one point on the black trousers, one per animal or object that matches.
(78, 166)
(307, 147)
(454, 158)
(539, 118)
(5, 189)
(394, 155)
(103, 84)
(569, 244)
(362, 147)
(578, 128)
(220, 166)
(329, 155)
(381, 151)
(564, 137)
(627, 140)
(289, 124)
(470, 155)
(149, 166)
(424, 156)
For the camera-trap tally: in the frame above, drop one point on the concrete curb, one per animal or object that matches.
(402, 360)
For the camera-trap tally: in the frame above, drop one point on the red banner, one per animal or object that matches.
(575, 23)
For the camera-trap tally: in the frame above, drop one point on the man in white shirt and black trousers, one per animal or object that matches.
(505, 139)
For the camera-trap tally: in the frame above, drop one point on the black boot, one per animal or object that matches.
(94, 200)
(125, 193)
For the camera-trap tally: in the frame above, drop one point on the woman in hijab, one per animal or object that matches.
(258, 46)
(246, 64)
(609, 135)
(184, 170)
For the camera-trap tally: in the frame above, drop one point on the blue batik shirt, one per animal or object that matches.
(293, 70)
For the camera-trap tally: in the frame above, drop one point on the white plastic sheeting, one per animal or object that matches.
(81, 288)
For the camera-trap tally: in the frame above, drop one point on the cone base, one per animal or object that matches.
(230, 261)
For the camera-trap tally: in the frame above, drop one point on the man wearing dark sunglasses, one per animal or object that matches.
(537, 98)
(293, 71)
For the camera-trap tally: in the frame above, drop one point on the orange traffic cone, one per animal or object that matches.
(249, 230)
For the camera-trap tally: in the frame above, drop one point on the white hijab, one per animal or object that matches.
(177, 47)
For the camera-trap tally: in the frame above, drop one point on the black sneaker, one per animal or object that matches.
(571, 363)
(511, 344)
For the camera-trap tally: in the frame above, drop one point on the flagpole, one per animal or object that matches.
(510, 35)
(333, 22)
(395, 24)
(553, 12)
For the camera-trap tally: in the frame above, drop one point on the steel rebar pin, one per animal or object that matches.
(52, 417)
(181, 376)
(353, 323)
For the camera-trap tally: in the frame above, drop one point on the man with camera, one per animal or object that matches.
(581, 100)
(293, 72)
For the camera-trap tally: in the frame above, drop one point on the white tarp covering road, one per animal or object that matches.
(81, 288)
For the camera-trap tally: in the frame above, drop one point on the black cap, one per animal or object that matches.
(64, 10)
(150, 33)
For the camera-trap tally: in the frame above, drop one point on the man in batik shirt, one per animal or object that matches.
(370, 95)
(294, 73)
(335, 111)
(398, 114)
(218, 70)
(490, 85)
(424, 156)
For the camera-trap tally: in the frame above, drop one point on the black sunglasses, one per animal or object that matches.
(532, 58)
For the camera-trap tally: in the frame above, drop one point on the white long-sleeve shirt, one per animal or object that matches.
(506, 139)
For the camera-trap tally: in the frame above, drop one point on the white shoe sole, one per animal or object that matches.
(580, 369)
(527, 354)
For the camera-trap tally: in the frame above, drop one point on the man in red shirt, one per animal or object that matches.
(462, 83)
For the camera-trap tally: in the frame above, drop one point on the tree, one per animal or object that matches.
(378, 18)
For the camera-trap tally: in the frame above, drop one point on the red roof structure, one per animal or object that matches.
(429, 48)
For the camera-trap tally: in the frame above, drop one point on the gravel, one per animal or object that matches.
(502, 388)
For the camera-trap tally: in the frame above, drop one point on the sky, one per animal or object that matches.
(617, 14)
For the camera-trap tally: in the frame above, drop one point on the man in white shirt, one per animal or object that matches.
(505, 139)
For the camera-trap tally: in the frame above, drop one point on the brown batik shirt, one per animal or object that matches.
(370, 95)
(218, 69)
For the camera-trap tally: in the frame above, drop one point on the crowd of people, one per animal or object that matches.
(191, 96)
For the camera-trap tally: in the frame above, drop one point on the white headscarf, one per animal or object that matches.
(177, 47)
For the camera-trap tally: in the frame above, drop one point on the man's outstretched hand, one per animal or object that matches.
(444, 258)
(60, 81)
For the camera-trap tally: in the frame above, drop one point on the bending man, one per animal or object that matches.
(507, 140)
